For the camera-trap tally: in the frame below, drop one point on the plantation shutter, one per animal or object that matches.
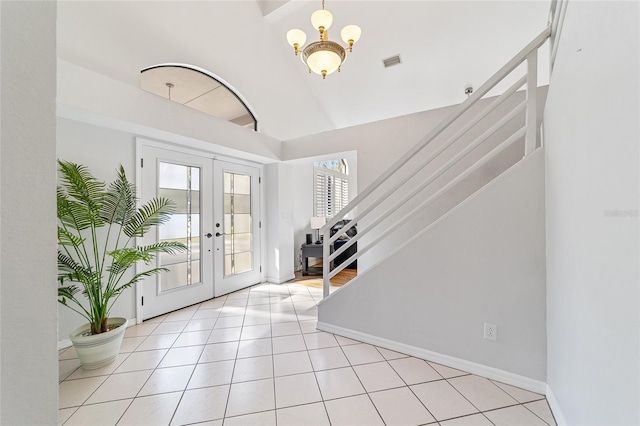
(331, 192)
(320, 201)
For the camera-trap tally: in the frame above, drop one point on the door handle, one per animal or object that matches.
(209, 235)
(219, 234)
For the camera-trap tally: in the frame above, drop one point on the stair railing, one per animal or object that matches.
(366, 201)
(556, 19)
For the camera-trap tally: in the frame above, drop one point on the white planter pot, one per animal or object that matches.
(98, 350)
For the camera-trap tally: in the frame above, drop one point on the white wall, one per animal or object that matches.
(482, 262)
(377, 144)
(94, 98)
(101, 150)
(592, 141)
(279, 223)
(302, 188)
(28, 366)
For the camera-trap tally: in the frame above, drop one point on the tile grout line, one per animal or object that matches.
(101, 384)
(300, 303)
(235, 361)
(91, 394)
(407, 385)
(358, 377)
(184, 391)
(480, 411)
(545, 400)
(273, 364)
(74, 412)
(108, 376)
(154, 370)
(467, 399)
(326, 411)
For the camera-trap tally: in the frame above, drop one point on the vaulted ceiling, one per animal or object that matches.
(444, 46)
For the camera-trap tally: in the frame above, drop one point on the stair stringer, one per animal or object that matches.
(481, 262)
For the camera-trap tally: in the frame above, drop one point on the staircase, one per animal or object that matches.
(475, 133)
(452, 235)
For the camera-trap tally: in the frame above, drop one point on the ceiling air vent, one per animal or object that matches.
(389, 62)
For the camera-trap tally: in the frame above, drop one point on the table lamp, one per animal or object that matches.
(318, 222)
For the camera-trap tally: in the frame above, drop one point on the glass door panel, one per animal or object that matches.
(238, 255)
(187, 180)
(237, 224)
(181, 184)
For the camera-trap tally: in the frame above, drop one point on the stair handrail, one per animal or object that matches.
(489, 108)
(529, 53)
(557, 13)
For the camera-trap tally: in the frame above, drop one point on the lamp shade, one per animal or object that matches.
(296, 36)
(318, 222)
(324, 60)
(321, 18)
(351, 33)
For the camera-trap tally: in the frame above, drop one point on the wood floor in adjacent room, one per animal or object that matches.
(315, 281)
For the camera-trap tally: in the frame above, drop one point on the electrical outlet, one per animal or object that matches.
(490, 331)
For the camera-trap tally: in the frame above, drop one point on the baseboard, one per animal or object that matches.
(280, 280)
(555, 407)
(63, 344)
(453, 362)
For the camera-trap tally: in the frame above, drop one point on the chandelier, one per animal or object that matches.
(324, 56)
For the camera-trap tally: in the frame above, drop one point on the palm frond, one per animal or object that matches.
(119, 203)
(124, 258)
(66, 295)
(168, 247)
(73, 214)
(155, 212)
(118, 289)
(69, 269)
(66, 238)
(84, 194)
(80, 183)
(67, 292)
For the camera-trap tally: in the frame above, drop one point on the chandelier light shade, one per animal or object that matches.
(350, 34)
(323, 57)
(321, 20)
(296, 38)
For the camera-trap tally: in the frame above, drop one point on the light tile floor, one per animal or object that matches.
(254, 357)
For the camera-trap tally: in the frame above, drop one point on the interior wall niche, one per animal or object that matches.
(199, 90)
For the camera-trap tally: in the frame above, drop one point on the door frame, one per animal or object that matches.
(183, 148)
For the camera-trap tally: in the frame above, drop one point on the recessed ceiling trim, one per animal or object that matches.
(209, 74)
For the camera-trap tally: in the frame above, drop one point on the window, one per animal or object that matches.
(331, 187)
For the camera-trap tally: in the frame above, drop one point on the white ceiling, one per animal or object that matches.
(444, 45)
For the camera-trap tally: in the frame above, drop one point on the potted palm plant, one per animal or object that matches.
(97, 227)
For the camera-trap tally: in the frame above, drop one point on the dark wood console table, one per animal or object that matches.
(311, 250)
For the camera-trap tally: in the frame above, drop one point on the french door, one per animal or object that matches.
(222, 258)
(237, 227)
